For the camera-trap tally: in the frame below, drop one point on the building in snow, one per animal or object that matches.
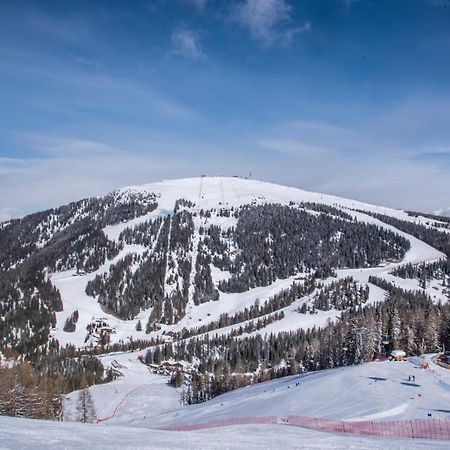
(397, 355)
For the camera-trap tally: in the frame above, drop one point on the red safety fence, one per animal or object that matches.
(104, 419)
(415, 429)
(421, 429)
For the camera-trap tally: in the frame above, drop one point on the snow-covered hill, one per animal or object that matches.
(214, 192)
(378, 391)
(381, 390)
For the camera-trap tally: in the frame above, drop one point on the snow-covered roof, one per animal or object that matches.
(397, 353)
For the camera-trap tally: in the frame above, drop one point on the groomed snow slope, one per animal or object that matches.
(137, 394)
(216, 192)
(377, 391)
(42, 435)
(372, 391)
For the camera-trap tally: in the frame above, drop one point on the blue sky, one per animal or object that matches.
(349, 97)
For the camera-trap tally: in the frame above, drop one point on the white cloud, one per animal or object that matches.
(443, 212)
(288, 35)
(67, 168)
(353, 163)
(10, 213)
(71, 169)
(268, 21)
(57, 146)
(309, 155)
(367, 161)
(186, 43)
(317, 128)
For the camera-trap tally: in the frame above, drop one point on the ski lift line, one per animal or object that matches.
(200, 189)
(191, 290)
(233, 188)
(222, 196)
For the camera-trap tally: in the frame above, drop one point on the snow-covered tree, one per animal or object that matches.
(432, 340)
(393, 326)
(356, 342)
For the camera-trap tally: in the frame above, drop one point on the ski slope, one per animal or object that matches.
(371, 391)
(41, 435)
(217, 193)
(377, 391)
(137, 395)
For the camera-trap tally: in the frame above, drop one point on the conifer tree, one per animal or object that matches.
(393, 327)
(85, 407)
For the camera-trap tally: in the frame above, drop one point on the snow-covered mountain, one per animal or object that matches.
(215, 283)
(190, 256)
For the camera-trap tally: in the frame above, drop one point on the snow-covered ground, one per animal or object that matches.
(138, 405)
(377, 391)
(72, 288)
(42, 435)
(372, 391)
(225, 192)
(138, 394)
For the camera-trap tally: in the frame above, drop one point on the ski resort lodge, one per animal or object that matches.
(397, 355)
